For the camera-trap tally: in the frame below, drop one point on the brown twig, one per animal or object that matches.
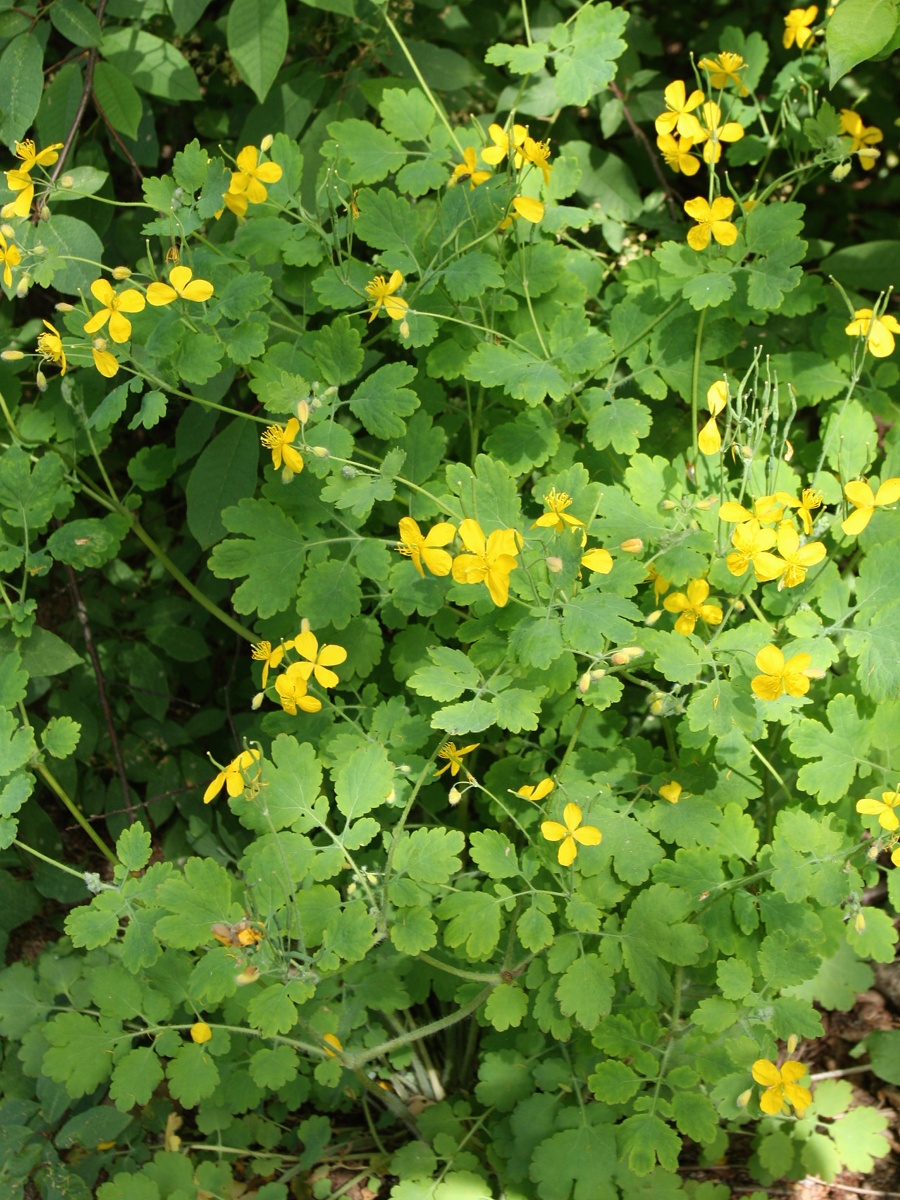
(81, 613)
(672, 197)
(132, 160)
(93, 55)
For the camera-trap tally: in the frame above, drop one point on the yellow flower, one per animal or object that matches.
(233, 777)
(863, 137)
(796, 27)
(671, 791)
(676, 153)
(884, 809)
(709, 439)
(598, 560)
(711, 219)
(105, 362)
(453, 756)
(571, 834)
(865, 501)
(316, 661)
(31, 157)
(797, 559)
(489, 561)
(382, 292)
(538, 154)
(467, 169)
(180, 284)
(427, 549)
(496, 153)
(691, 606)
(660, 584)
(809, 499)
(200, 1032)
(278, 439)
(235, 202)
(714, 132)
(251, 174)
(878, 331)
(113, 307)
(781, 1085)
(526, 207)
(679, 108)
(556, 517)
(723, 69)
(768, 510)
(50, 347)
(269, 657)
(292, 691)
(780, 676)
(752, 544)
(10, 257)
(21, 182)
(536, 791)
(332, 1044)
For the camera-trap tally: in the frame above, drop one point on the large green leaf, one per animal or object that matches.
(21, 85)
(257, 41)
(225, 473)
(857, 30)
(151, 64)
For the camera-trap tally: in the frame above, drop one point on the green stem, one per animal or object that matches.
(474, 976)
(424, 1031)
(695, 382)
(435, 103)
(57, 788)
(572, 740)
(50, 861)
(179, 576)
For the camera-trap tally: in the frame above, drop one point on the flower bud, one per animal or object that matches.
(653, 617)
(200, 1032)
(8, 232)
(626, 655)
(706, 503)
(121, 272)
(320, 451)
(404, 328)
(840, 171)
(788, 451)
(172, 255)
(744, 1098)
(632, 545)
(554, 564)
(12, 355)
(266, 143)
(67, 181)
(739, 606)
(584, 682)
(792, 1043)
(349, 472)
(63, 306)
(99, 344)
(302, 411)
(22, 286)
(248, 975)
(45, 213)
(257, 700)
(859, 922)
(41, 380)
(598, 673)
(667, 504)
(454, 796)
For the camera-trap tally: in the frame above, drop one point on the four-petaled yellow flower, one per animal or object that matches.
(19, 178)
(468, 169)
(270, 658)
(865, 501)
(556, 517)
(797, 27)
(489, 561)
(292, 691)
(233, 777)
(278, 439)
(536, 791)
(251, 174)
(709, 440)
(427, 550)
(538, 154)
(113, 310)
(864, 137)
(382, 290)
(676, 153)
(180, 284)
(453, 757)
(715, 132)
(692, 605)
(779, 676)
(571, 834)
(51, 349)
(501, 147)
(32, 157)
(200, 1033)
(752, 544)
(884, 809)
(10, 257)
(781, 1085)
(317, 660)
(679, 110)
(723, 69)
(797, 559)
(711, 219)
(878, 331)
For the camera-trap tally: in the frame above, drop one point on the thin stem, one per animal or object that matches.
(435, 103)
(56, 787)
(50, 861)
(695, 381)
(424, 1031)
(475, 976)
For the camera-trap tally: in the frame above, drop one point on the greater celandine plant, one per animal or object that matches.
(547, 808)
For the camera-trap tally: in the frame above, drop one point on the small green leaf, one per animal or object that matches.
(76, 23)
(429, 855)
(135, 1077)
(133, 847)
(585, 990)
(118, 98)
(382, 400)
(363, 781)
(506, 1007)
(60, 737)
(193, 1074)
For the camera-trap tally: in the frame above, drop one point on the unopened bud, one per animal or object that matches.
(121, 272)
(859, 923)
(404, 328)
(41, 380)
(739, 606)
(22, 286)
(873, 851)
(349, 472)
(248, 975)
(554, 564)
(840, 172)
(584, 682)
(266, 143)
(657, 707)
(744, 1098)
(667, 504)
(454, 796)
(320, 451)
(8, 232)
(597, 674)
(302, 411)
(44, 214)
(99, 344)
(792, 1043)
(287, 475)
(632, 545)
(626, 655)
(67, 181)
(257, 700)
(788, 451)
(814, 673)
(706, 503)
(11, 355)
(654, 616)
(64, 306)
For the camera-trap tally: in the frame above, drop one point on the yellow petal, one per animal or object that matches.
(770, 660)
(765, 1072)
